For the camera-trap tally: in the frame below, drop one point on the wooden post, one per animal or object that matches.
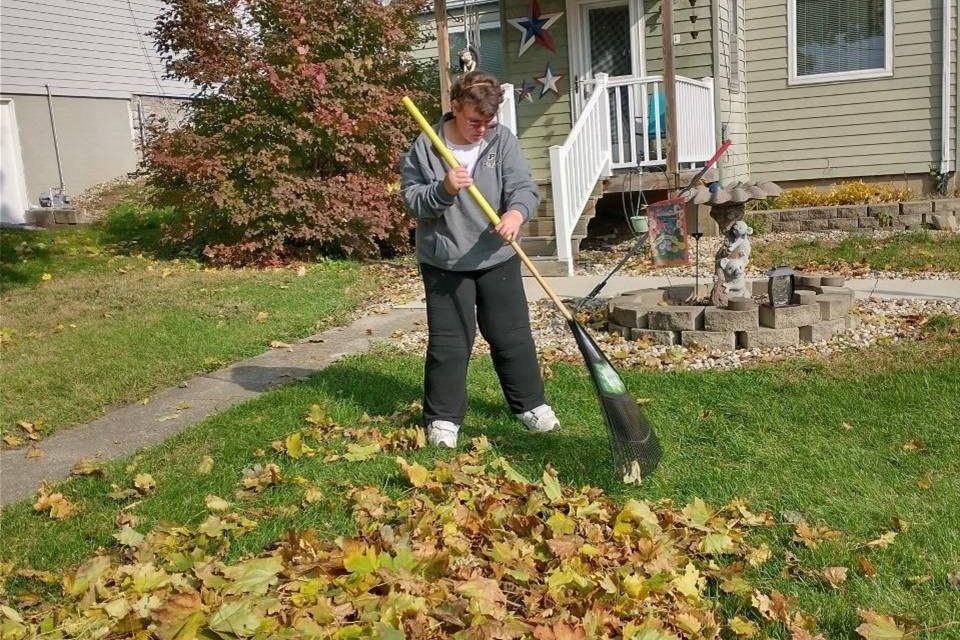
(443, 52)
(670, 88)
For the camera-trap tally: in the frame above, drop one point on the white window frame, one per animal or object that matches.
(839, 76)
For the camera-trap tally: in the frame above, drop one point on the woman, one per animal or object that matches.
(470, 273)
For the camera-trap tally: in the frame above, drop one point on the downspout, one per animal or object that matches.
(956, 165)
(945, 100)
(715, 37)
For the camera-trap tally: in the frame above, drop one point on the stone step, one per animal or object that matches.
(546, 266)
(547, 245)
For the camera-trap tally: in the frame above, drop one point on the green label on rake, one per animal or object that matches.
(610, 382)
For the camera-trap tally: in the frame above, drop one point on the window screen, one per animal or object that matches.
(490, 50)
(840, 35)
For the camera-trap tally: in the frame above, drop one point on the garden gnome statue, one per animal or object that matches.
(730, 280)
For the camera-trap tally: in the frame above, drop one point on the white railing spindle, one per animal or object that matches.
(507, 114)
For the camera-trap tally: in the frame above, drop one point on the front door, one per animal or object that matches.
(608, 38)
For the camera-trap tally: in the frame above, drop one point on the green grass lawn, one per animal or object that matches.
(914, 251)
(823, 439)
(98, 316)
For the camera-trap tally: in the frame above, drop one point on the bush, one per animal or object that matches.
(292, 142)
(846, 193)
(758, 222)
(129, 222)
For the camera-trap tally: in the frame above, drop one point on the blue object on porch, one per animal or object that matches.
(658, 102)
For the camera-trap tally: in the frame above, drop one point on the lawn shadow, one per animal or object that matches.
(261, 379)
(382, 392)
(18, 267)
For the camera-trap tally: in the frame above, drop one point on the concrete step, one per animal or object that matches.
(547, 245)
(546, 266)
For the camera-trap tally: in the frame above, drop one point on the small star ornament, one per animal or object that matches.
(534, 28)
(549, 81)
(524, 92)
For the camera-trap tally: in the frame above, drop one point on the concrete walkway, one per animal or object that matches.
(123, 431)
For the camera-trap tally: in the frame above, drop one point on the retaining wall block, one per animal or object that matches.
(765, 338)
(785, 317)
(678, 318)
(726, 340)
(715, 319)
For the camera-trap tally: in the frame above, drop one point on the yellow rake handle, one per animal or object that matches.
(482, 202)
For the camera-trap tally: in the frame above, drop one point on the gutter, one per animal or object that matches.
(945, 93)
(715, 36)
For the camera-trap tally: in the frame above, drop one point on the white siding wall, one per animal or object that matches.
(91, 48)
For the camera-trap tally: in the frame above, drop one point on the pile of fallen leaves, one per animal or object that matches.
(471, 549)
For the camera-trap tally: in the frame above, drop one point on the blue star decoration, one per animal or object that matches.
(524, 91)
(549, 81)
(534, 28)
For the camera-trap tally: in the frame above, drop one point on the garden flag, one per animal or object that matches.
(668, 232)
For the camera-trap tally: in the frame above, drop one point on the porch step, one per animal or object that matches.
(547, 245)
(545, 226)
(546, 266)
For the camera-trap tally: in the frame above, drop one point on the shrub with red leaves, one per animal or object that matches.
(292, 142)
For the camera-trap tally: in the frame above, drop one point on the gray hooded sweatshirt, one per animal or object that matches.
(453, 233)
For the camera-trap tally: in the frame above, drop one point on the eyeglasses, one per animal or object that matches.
(476, 125)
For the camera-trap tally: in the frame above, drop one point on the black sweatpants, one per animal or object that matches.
(456, 302)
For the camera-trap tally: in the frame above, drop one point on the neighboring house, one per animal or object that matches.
(807, 90)
(103, 74)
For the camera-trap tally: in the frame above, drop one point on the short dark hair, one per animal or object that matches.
(480, 89)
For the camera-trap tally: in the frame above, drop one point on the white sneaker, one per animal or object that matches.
(442, 433)
(540, 419)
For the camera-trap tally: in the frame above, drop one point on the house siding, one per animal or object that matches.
(839, 130)
(88, 48)
(95, 136)
(546, 122)
(488, 12)
(731, 85)
(693, 56)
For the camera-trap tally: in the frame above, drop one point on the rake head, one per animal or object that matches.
(634, 448)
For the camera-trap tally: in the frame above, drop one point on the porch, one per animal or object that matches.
(598, 121)
(617, 143)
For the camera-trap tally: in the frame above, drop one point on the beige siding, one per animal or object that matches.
(93, 48)
(489, 12)
(735, 165)
(547, 121)
(693, 57)
(836, 130)
(96, 140)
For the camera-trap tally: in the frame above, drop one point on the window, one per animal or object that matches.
(490, 49)
(839, 40)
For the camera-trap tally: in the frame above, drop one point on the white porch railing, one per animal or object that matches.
(622, 125)
(507, 115)
(638, 132)
(577, 164)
